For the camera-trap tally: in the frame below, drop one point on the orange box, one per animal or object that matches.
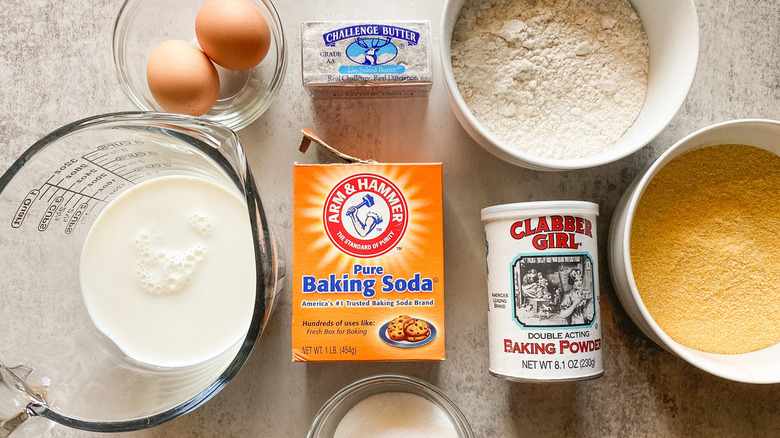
(367, 262)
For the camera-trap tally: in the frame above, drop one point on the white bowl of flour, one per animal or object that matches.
(559, 85)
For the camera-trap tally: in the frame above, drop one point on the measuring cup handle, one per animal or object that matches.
(9, 425)
(31, 422)
(12, 383)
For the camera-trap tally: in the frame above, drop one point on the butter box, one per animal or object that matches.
(367, 262)
(366, 59)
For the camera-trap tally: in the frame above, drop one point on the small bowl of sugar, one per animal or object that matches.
(559, 85)
(390, 405)
(693, 250)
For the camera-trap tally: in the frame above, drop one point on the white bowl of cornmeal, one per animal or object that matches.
(693, 250)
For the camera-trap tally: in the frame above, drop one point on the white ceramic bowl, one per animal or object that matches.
(672, 30)
(762, 366)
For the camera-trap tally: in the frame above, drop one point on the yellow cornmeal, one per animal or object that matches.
(705, 249)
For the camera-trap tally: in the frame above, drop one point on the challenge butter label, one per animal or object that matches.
(360, 59)
(367, 262)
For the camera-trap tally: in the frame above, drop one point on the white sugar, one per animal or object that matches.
(395, 414)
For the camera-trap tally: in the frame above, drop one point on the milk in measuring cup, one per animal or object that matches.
(168, 271)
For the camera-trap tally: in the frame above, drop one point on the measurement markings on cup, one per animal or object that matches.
(124, 160)
(68, 194)
(83, 185)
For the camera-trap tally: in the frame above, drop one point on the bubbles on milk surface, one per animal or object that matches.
(162, 270)
(201, 222)
(164, 289)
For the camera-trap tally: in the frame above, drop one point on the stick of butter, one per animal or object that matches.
(366, 59)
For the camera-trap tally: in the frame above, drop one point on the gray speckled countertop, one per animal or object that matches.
(55, 67)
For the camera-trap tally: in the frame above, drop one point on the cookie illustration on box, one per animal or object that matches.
(405, 332)
(396, 327)
(417, 329)
(402, 321)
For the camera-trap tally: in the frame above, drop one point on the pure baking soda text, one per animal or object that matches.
(367, 287)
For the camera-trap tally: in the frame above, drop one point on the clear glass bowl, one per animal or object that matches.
(331, 413)
(143, 24)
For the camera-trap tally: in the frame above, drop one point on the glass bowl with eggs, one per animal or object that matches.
(223, 60)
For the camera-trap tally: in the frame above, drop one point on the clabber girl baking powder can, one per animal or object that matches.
(543, 290)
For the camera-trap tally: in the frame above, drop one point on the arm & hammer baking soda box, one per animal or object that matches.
(368, 262)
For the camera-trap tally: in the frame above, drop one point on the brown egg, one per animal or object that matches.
(233, 33)
(182, 78)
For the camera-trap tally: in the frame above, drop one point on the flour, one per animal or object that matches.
(556, 79)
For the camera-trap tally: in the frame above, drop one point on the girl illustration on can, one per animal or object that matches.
(577, 306)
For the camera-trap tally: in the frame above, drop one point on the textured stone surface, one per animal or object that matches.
(55, 67)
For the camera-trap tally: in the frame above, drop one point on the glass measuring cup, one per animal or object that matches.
(54, 362)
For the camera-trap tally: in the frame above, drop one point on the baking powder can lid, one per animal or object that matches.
(538, 208)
